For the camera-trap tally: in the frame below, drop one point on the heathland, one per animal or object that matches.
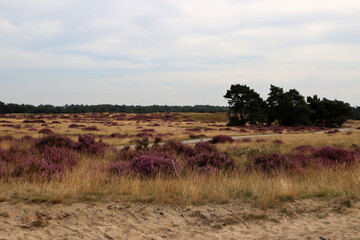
(73, 159)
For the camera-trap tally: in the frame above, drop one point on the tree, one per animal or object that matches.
(245, 105)
(288, 108)
(329, 113)
(356, 113)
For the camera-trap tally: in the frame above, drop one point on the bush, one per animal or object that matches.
(304, 149)
(178, 148)
(332, 156)
(87, 144)
(54, 140)
(34, 165)
(46, 131)
(221, 139)
(278, 141)
(208, 156)
(91, 128)
(152, 165)
(119, 168)
(270, 163)
(63, 156)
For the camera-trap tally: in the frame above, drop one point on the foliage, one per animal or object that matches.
(34, 164)
(356, 112)
(285, 108)
(303, 157)
(221, 139)
(152, 165)
(54, 140)
(87, 144)
(245, 105)
(328, 113)
(203, 157)
(22, 108)
(288, 108)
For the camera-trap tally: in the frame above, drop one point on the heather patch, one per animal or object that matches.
(303, 157)
(203, 157)
(222, 139)
(46, 131)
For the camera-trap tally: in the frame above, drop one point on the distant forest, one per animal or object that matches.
(26, 108)
(79, 108)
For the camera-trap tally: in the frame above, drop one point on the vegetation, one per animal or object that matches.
(26, 108)
(285, 108)
(77, 166)
(356, 112)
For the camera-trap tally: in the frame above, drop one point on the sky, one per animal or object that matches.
(167, 52)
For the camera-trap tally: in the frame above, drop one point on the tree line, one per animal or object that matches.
(285, 108)
(26, 108)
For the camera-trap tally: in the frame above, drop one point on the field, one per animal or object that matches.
(71, 159)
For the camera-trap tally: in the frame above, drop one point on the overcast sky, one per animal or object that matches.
(184, 52)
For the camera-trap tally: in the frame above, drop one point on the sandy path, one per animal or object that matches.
(193, 141)
(305, 219)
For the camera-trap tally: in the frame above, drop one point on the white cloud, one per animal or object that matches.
(197, 42)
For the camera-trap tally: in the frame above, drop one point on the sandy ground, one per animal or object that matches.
(306, 219)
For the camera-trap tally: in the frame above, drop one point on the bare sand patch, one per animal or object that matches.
(302, 219)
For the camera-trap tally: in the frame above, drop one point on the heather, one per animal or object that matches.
(171, 159)
(302, 158)
(68, 165)
(45, 158)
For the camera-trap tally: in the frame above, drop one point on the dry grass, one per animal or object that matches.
(89, 181)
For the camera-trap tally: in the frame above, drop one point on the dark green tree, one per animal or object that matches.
(288, 108)
(245, 105)
(356, 113)
(329, 113)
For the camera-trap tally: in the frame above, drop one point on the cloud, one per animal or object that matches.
(182, 46)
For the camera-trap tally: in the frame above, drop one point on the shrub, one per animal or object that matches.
(152, 165)
(221, 139)
(62, 156)
(333, 156)
(54, 140)
(246, 140)
(46, 131)
(87, 144)
(91, 128)
(76, 126)
(120, 168)
(270, 163)
(27, 138)
(34, 121)
(304, 149)
(205, 147)
(197, 135)
(178, 148)
(144, 135)
(214, 160)
(278, 141)
(117, 135)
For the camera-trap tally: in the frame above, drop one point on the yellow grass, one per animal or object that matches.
(89, 181)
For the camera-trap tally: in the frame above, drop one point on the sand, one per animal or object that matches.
(305, 219)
